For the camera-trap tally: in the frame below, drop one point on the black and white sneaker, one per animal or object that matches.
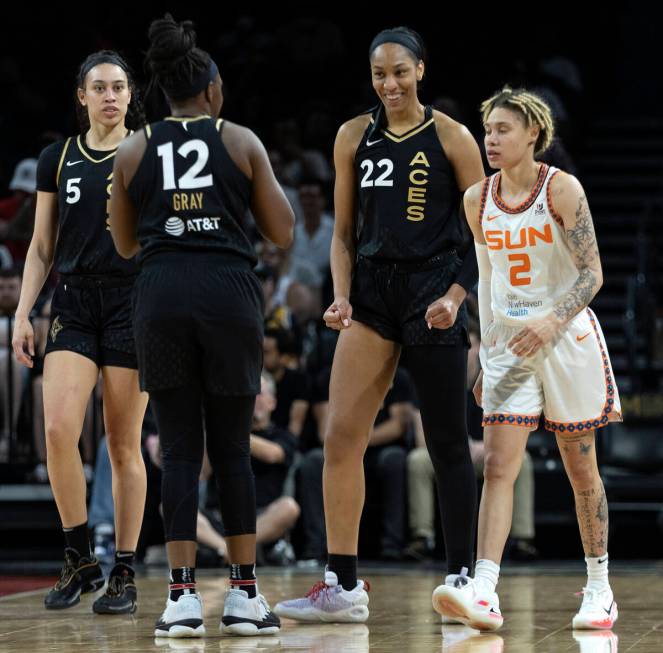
(79, 575)
(182, 618)
(245, 616)
(120, 596)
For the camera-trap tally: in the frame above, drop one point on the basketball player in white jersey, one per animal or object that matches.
(542, 350)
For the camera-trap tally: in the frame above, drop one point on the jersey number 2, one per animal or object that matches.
(189, 179)
(522, 267)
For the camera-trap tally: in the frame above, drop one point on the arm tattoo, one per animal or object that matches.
(582, 242)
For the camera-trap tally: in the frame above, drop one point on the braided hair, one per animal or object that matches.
(173, 60)
(532, 109)
(135, 117)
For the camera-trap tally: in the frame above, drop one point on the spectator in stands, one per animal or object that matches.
(313, 234)
(12, 375)
(17, 212)
(384, 466)
(292, 393)
(276, 159)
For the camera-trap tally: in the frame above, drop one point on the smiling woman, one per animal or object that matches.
(91, 329)
(400, 279)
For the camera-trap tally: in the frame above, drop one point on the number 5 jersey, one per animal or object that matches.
(82, 179)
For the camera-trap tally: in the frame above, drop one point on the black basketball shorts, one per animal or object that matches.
(392, 299)
(91, 316)
(199, 317)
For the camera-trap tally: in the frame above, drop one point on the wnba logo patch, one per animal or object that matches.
(539, 209)
(56, 327)
(174, 226)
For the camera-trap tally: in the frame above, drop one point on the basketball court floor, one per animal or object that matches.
(538, 603)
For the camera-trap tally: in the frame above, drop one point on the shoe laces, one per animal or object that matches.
(67, 571)
(262, 601)
(590, 597)
(461, 580)
(319, 588)
(116, 586)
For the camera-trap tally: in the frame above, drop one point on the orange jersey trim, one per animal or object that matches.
(511, 419)
(484, 197)
(523, 206)
(556, 216)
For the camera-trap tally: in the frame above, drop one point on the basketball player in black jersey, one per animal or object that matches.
(399, 287)
(90, 330)
(181, 187)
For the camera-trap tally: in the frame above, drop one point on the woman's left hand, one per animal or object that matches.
(535, 335)
(441, 314)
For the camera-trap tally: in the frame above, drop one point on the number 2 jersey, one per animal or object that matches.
(82, 179)
(532, 265)
(189, 193)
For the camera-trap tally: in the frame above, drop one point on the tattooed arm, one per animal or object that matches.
(570, 203)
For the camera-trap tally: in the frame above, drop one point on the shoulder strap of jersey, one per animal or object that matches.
(551, 209)
(484, 196)
(219, 124)
(64, 152)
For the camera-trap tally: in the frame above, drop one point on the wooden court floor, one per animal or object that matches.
(538, 609)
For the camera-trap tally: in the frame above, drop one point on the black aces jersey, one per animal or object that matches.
(189, 193)
(82, 179)
(408, 195)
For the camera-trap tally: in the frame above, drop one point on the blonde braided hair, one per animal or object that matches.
(532, 108)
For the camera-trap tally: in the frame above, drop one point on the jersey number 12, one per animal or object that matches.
(190, 178)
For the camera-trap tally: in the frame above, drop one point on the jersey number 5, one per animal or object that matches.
(523, 266)
(190, 178)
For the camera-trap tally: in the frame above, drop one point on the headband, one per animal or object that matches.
(400, 37)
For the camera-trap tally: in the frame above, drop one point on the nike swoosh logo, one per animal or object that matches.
(602, 561)
(369, 143)
(579, 338)
(493, 217)
(73, 163)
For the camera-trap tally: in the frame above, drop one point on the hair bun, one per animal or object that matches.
(170, 40)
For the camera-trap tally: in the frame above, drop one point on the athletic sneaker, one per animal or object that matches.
(598, 610)
(245, 616)
(328, 601)
(182, 618)
(596, 641)
(79, 575)
(476, 609)
(120, 597)
(454, 580)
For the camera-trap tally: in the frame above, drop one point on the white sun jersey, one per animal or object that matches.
(532, 265)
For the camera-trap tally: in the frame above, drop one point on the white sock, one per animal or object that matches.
(597, 572)
(486, 574)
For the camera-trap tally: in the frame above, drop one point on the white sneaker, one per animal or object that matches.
(328, 601)
(245, 616)
(454, 580)
(598, 610)
(468, 605)
(182, 618)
